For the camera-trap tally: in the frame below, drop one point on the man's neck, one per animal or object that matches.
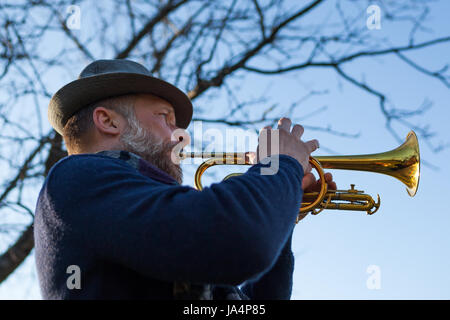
(143, 166)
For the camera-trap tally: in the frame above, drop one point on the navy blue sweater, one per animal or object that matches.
(134, 233)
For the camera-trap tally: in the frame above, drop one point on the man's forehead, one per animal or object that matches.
(156, 102)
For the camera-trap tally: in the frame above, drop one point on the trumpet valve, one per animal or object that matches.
(353, 190)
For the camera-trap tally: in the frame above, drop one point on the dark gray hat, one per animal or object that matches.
(104, 79)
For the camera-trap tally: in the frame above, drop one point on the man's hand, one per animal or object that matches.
(289, 143)
(310, 184)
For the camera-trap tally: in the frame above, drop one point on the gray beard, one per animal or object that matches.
(137, 140)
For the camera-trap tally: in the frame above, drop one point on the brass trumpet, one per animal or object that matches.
(402, 163)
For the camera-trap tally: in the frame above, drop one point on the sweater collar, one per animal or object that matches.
(144, 167)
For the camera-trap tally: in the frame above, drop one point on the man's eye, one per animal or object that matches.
(168, 120)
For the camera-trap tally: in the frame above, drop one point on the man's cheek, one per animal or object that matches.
(183, 138)
(168, 133)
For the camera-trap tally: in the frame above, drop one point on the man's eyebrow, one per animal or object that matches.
(171, 109)
(164, 108)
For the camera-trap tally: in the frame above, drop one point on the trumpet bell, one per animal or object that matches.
(402, 163)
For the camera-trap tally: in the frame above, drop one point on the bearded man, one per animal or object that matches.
(113, 220)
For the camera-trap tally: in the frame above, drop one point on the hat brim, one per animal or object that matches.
(85, 91)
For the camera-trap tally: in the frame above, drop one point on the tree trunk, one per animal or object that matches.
(18, 252)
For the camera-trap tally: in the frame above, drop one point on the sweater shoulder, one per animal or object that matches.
(86, 163)
(78, 178)
(89, 159)
(78, 172)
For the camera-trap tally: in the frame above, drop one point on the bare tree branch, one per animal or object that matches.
(210, 49)
(161, 14)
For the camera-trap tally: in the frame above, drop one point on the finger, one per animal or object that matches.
(308, 181)
(317, 186)
(285, 124)
(312, 145)
(266, 131)
(297, 131)
(332, 185)
(251, 157)
(329, 179)
(257, 154)
(264, 143)
(308, 169)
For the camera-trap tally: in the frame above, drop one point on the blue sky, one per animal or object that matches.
(408, 238)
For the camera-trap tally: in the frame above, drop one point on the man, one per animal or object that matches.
(114, 222)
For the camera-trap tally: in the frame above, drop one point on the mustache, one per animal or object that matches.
(152, 148)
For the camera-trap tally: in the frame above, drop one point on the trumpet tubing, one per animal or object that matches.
(402, 163)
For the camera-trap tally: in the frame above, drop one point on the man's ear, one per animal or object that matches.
(107, 121)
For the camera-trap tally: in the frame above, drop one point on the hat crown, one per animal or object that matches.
(104, 79)
(113, 66)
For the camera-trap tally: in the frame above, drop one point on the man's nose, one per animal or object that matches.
(174, 129)
(179, 135)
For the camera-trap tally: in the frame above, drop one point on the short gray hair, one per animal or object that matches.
(81, 123)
